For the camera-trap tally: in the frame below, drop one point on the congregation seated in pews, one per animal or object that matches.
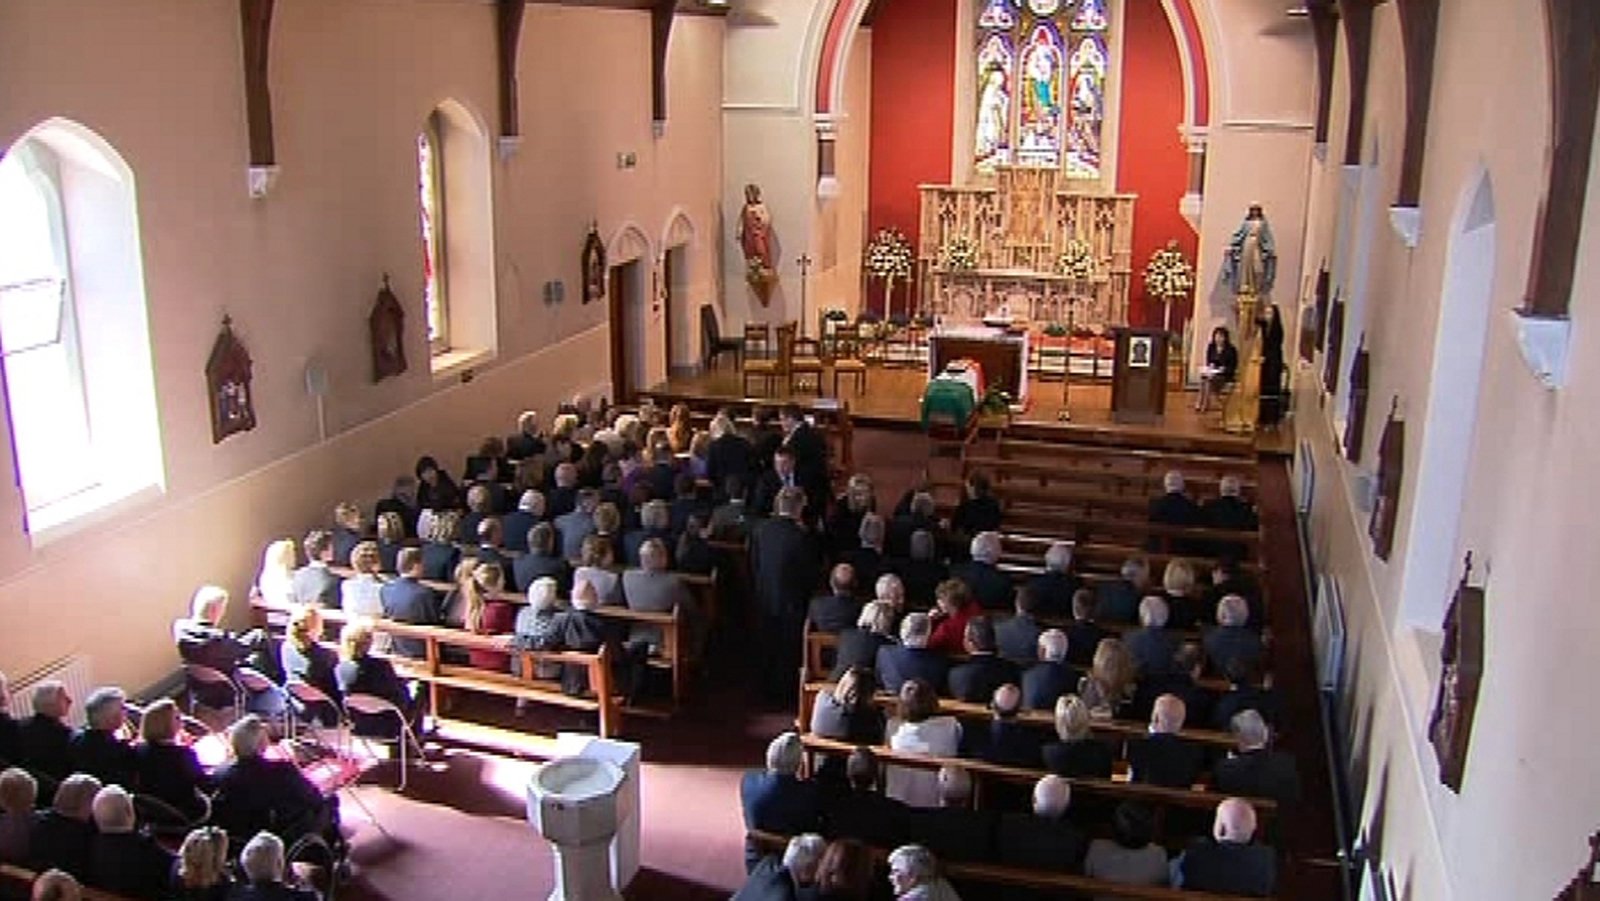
(91, 807)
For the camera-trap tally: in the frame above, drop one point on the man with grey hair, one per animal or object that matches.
(655, 521)
(652, 588)
(922, 571)
(563, 497)
(784, 561)
(56, 885)
(43, 739)
(953, 830)
(97, 748)
(121, 860)
(255, 793)
(917, 512)
(1228, 862)
(777, 799)
(990, 587)
(575, 526)
(1229, 510)
(1052, 676)
(514, 526)
(1164, 757)
(1043, 839)
(63, 836)
(1233, 642)
(729, 454)
(892, 591)
(788, 878)
(202, 640)
(868, 559)
(914, 876)
(911, 658)
(1118, 601)
(1173, 508)
(1254, 770)
(528, 441)
(262, 862)
(1151, 645)
(1055, 586)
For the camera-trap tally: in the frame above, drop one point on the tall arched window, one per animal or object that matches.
(74, 337)
(455, 194)
(1041, 73)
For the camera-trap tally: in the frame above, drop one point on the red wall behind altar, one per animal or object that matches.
(913, 114)
(913, 118)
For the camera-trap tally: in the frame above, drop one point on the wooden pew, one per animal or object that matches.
(1102, 472)
(832, 416)
(523, 685)
(982, 772)
(1062, 884)
(1116, 455)
(16, 882)
(1115, 730)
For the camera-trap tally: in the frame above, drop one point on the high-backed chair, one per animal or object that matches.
(805, 362)
(759, 360)
(847, 357)
(712, 344)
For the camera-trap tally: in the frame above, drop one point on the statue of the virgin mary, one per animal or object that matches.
(1251, 264)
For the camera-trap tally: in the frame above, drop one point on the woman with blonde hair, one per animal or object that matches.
(391, 538)
(201, 873)
(439, 552)
(1110, 680)
(359, 672)
(1184, 603)
(274, 582)
(1078, 753)
(168, 769)
(679, 428)
(348, 530)
(700, 455)
(485, 615)
(305, 658)
(358, 595)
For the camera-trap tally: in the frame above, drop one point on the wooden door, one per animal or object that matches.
(621, 384)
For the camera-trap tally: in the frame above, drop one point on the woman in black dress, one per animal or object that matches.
(1271, 368)
(1222, 366)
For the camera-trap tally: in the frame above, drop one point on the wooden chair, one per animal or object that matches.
(805, 362)
(712, 344)
(759, 360)
(847, 360)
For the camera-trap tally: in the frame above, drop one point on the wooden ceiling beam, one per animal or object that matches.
(1419, 31)
(1325, 34)
(661, 15)
(508, 38)
(1357, 18)
(255, 24)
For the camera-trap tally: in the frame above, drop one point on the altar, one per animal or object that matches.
(984, 247)
(1003, 354)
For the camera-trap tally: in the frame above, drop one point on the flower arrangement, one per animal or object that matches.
(1077, 261)
(959, 254)
(1055, 330)
(1168, 276)
(760, 277)
(889, 255)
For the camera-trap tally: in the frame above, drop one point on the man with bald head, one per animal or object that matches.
(953, 830)
(1162, 757)
(1009, 742)
(1228, 862)
(838, 610)
(1043, 839)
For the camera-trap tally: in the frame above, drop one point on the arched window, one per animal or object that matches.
(74, 337)
(455, 193)
(1041, 84)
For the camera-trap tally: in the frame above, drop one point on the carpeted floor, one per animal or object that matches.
(458, 832)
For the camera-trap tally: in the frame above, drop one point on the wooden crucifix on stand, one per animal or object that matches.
(804, 262)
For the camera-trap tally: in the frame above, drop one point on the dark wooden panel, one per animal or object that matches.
(1419, 29)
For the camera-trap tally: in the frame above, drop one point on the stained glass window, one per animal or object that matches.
(429, 182)
(1041, 74)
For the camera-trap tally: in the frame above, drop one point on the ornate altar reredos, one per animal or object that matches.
(1019, 228)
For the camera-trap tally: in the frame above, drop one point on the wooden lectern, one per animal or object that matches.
(1139, 378)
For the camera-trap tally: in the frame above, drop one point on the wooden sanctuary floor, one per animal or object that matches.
(893, 400)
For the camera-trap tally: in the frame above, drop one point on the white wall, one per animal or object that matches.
(352, 84)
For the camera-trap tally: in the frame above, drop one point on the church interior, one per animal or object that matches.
(971, 241)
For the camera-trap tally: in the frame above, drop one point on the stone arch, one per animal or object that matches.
(628, 243)
(679, 230)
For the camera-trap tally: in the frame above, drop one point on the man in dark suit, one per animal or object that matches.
(1255, 770)
(563, 496)
(516, 525)
(577, 524)
(201, 641)
(1233, 642)
(729, 453)
(254, 793)
(1055, 587)
(63, 835)
(921, 514)
(1244, 693)
(541, 561)
(1228, 862)
(1084, 634)
(777, 799)
(315, 583)
(528, 441)
(1174, 508)
(953, 831)
(43, 739)
(911, 658)
(1118, 601)
(810, 451)
(97, 749)
(765, 438)
(1051, 677)
(921, 573)
(1010, 742)
(1162, 757)
(783, 564)
(655, 521)
(783, 474)
(1183, 681)
(868, 559)
(839, 610)
(489, 540)
(407, 600)
(1017, 638)
(1228, 510)
(1151, 646)
(789, 878)
(263, 866)
(978, 511)
(984, 671)
(860, 811)
(121, 860)
(990, 587)
(652, 588)
(662, 476)
(1043, 839)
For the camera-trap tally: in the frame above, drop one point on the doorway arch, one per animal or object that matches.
(631, 259)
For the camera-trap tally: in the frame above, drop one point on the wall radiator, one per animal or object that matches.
(1327, 634)
(75, 671)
